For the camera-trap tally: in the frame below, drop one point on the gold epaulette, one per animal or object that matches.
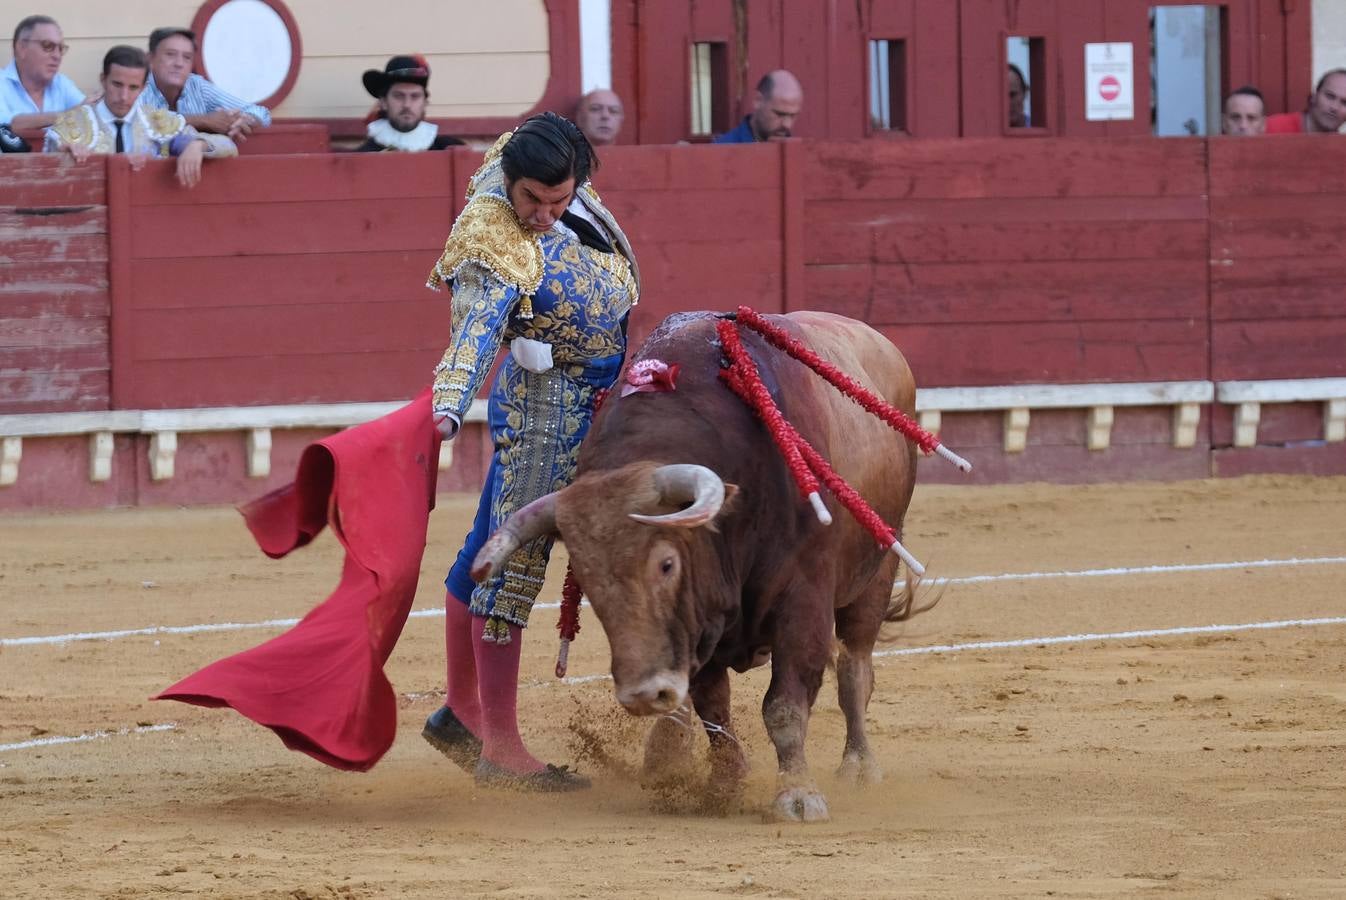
(491, 156)
(164, 124)
(497, 148)
(488, 232)
(75, 127)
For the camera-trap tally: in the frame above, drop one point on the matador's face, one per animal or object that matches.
(539, 206)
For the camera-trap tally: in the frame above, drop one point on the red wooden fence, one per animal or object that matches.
(296, 279)
(53, 285)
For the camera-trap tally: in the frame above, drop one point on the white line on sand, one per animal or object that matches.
(89, 736)
(1114, 636)
(439, 611)
(1060, 639)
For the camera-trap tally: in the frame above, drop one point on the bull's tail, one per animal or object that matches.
(904, 603)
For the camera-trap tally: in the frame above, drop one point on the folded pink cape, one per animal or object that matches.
(320, 685)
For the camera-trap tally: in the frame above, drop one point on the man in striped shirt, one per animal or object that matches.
(172, 85)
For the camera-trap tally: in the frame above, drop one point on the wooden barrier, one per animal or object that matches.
(53, 285)
(284, 137)
(1277, 208)
(298, 279)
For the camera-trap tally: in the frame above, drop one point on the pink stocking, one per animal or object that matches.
(498, 684)
(460, 630)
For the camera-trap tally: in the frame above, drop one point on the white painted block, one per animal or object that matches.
(1334, 420)
(930, 420)
(1186, 417)
(1016, 429)
(100, 456)
(259, 452)
(163, 451)
(1246, 417)
(1100, 427)
(11, 451)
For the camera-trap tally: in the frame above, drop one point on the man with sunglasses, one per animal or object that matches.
(33, 92)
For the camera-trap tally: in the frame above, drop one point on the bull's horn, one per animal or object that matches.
(680, 483)
(531, 522)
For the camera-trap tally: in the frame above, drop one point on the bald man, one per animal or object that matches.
(777, 105)
(1324, 114)
(599, 115)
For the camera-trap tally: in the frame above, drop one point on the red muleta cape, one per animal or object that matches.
(320, 686)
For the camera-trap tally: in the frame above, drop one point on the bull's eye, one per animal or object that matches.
(667, 565)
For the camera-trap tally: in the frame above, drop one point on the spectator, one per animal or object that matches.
(777, 105)
(1324, 114)
(599, 115)
(33, 92)
(1244, 113)
(173, 86)
(117, 125)
(403, 92)
(1018, 90)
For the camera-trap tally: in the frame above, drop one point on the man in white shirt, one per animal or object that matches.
(116, 124)
(33, 92)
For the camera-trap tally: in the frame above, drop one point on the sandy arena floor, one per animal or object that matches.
(1198, 764)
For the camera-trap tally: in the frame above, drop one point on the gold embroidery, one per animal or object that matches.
(493, 154)
(75, 128)
(488, 232)
(163, 124)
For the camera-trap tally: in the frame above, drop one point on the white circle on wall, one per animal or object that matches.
(246, 49)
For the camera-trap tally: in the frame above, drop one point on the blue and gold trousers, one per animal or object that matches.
(537, 422)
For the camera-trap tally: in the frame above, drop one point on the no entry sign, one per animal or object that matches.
(1108, 82)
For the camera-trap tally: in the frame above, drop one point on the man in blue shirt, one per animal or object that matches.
(119, 124)
(777, 105)
(172, 85)
(33, 92)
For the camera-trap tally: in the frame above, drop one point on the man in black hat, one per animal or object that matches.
(402, 89)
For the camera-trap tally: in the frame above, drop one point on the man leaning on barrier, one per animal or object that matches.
(117, 124)
(206, 107)
(33, 92)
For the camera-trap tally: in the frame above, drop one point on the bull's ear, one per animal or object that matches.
(730, 492)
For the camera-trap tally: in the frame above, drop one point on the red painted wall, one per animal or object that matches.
(53, 285)
(1001, 262)
(294, 279)
(1278, 280)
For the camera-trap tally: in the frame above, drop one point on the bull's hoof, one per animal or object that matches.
(801, 804)
(449, 736)
(671, 749)
(859, 769)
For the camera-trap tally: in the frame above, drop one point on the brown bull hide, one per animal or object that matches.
(681, 606)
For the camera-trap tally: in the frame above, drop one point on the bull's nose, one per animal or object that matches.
(657, 694)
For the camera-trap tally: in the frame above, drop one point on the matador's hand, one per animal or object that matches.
(446, 425)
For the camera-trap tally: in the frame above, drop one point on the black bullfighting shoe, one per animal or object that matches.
(551, 780)
(451, 737)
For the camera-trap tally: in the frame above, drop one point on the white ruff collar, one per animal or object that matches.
(418, 138)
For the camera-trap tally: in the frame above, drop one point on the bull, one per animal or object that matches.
(688, 534)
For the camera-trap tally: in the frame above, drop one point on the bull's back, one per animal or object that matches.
(861, 352)
(877, 461)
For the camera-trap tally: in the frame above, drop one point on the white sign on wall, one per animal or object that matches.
(1109, 82)
(247, 50)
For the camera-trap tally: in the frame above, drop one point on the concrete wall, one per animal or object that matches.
(1329, 36)
(487, 59)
